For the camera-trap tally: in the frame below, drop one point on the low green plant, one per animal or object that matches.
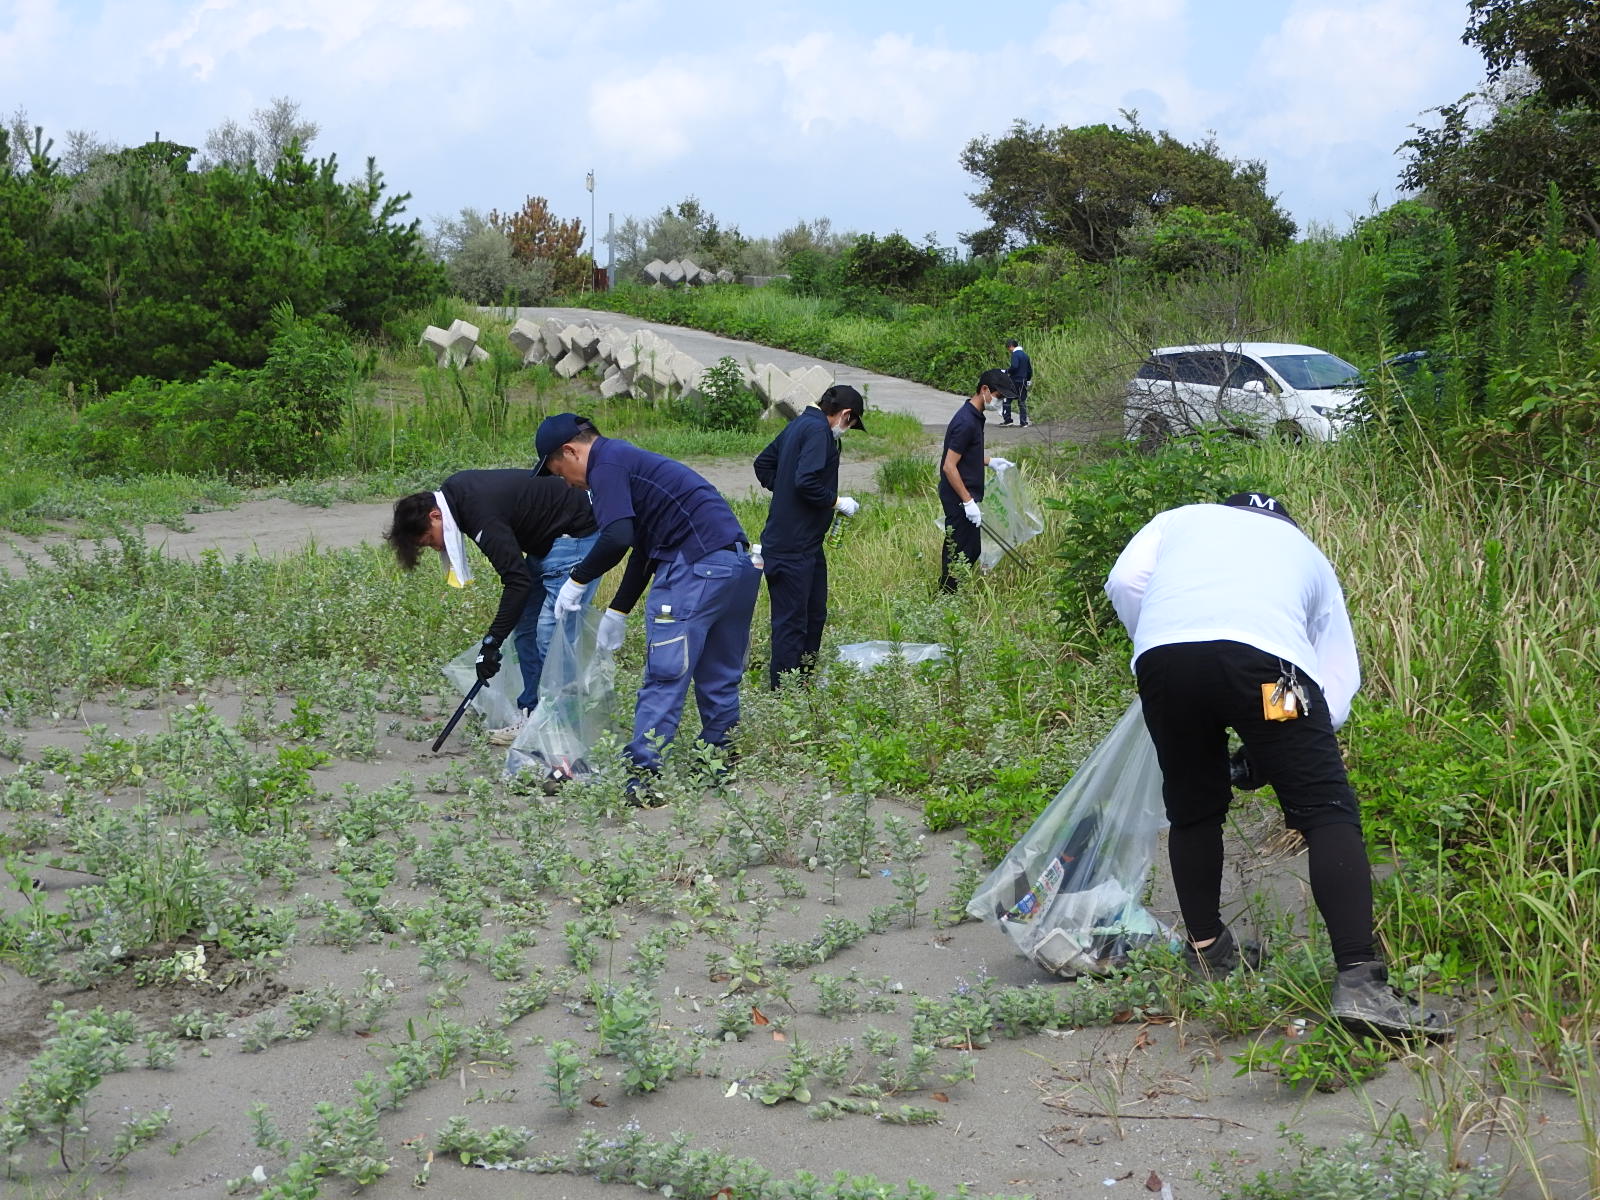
(1360, 1170)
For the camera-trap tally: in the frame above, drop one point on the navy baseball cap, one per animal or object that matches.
(1262, 503)
(554, 433)
(998, 382)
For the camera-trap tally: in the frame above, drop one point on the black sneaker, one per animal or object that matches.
(1006, 421)
(1362, 997)
(1222, 957)
(1023, 424)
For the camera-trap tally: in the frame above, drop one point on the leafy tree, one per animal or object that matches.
(28, 262)
(270, 133)
(888, 264)
(1086, 188)
(481, 267)
(1185, 238)
(1557, 40)
(535, 235)
(689, 230)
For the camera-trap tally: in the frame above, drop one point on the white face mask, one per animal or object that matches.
(838, 431)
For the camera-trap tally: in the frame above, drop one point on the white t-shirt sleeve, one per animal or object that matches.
(1130, 574)
(1338, 667)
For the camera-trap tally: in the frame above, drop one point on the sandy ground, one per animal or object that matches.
(1088, 1112)
(1094, 1111)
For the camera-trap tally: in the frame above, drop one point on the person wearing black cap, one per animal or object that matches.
(681, 531)
(531, 530)
(800, 467)
(961, 464)
(1238, 621)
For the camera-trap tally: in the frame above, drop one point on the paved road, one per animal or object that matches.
(929, 405)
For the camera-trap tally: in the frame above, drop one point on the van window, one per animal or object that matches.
(1247, 370)
(1310, 372)
(1205, 367)
(1157, 367)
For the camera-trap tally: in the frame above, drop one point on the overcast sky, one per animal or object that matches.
(769, 111)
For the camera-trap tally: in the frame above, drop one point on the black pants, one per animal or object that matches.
(1022, 405)
(960, 535)
(798, 588)
(1192, 694)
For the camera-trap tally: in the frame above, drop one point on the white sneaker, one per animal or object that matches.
(507, 734)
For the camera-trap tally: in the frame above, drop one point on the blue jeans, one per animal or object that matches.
(538, 621)
(706, 637)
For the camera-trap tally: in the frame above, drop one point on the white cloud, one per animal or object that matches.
(658, 116)
(891, 83)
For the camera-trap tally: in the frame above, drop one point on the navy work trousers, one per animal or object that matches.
(697, 626)
(960, 535)
(798, 588)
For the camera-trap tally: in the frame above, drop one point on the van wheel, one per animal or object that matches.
(1289, 431)
(1152, 432)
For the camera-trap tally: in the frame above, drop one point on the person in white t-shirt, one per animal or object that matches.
(1238, 621)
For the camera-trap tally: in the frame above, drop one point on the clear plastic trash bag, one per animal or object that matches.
(867, 655)
(577, 689)
(1010, 511)
(1067, 895)
(497, 702)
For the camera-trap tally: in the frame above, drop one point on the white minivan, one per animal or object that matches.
(1256, 387)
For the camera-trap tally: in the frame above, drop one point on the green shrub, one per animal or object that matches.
(1108, 501)
(725, 402)
(275, 422)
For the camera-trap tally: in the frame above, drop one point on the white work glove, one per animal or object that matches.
(846, 506)
(1001, 464)
(570, 598)
(974, 514)
(612, 626)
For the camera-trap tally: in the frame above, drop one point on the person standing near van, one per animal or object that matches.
(961, 464)
(1021, 372)
(800, 467)
(1238, 621)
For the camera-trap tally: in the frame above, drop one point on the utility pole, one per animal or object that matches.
(589, 183)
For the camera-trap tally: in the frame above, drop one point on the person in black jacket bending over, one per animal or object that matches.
(532, 530)
(801, 470)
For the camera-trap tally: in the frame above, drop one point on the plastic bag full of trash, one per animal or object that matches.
(1010, 511)
(496, 702)
(867, 655)
(577, 688)
(1067, 894)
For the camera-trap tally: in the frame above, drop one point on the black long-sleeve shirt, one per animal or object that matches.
(510, 515)
(801, 469)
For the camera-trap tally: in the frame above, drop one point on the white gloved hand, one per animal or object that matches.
(612, 626)
(974, 514)
(846, 506)
(1001, 464)
(570, 598)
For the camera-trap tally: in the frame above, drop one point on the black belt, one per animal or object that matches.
(736, 547)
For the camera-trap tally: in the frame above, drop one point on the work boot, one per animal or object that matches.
(1362, 997)
(1221, 958)
(507, 734)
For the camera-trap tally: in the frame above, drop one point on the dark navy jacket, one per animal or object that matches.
(1021, 369)
(801, 470)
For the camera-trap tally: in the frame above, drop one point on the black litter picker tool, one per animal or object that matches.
(461, 710)
(1006, 547)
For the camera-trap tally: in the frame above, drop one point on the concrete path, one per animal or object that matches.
(928, 404)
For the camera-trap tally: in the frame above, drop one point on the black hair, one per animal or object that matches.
(1011, 343)
(412, 519)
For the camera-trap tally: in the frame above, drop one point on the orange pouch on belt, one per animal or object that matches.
(1284, 708)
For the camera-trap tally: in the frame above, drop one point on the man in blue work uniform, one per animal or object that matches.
(1021, 372)
(801, 469)
(961, 464)
(675, 526)
(531, 530)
